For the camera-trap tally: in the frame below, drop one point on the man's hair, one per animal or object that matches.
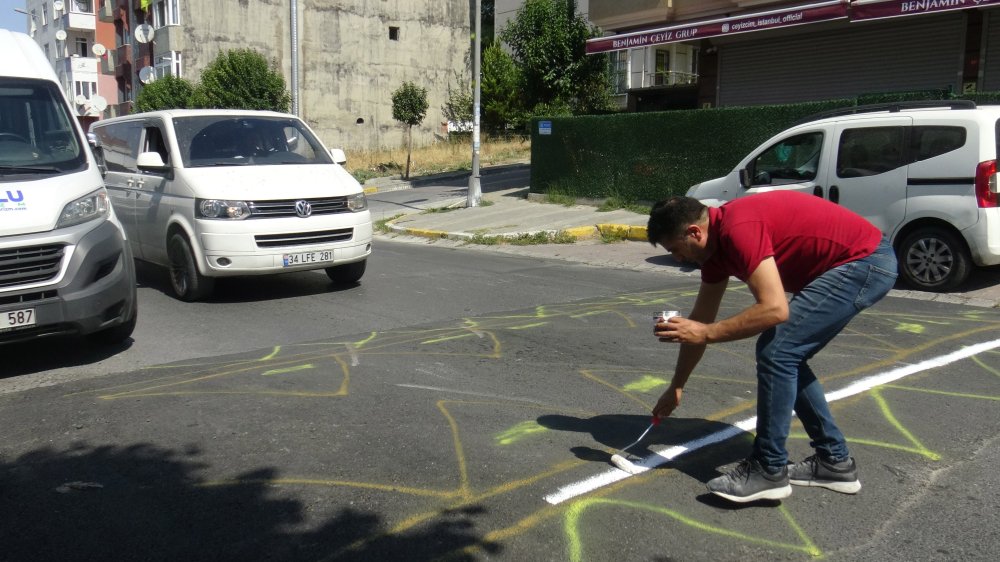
(670, 217)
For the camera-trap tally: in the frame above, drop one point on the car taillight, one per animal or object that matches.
(986, 184)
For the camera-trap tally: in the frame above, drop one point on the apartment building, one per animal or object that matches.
(704, 53)
(342, 59)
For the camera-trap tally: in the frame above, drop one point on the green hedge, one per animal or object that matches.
(645, 157)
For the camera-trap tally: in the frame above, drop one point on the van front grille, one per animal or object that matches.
(303, 238)
(286, 207)
(32, 264)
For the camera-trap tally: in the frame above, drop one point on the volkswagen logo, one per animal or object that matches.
(303, 208)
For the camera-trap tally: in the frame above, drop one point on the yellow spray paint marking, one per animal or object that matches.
(526, 326)
(944, 392)
(884, 406)
(288, 370)
(577, 509)
(519, 432)
(645, 384)
(446, 338)
(273, 354)
(985, 366)
(909, 327)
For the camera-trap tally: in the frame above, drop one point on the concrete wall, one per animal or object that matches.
(349, 66)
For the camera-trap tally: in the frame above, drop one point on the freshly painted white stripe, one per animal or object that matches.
(666, 455)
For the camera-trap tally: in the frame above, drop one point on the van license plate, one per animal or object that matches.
(17, 319)
(307, 258)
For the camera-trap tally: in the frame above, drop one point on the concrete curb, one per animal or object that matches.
(627, 232)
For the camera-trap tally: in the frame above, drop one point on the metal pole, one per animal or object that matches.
(475, 192)
(294, 21)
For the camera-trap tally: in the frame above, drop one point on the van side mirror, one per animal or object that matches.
(745, 177)
(98, 150)
(151, 161)
(338, 156)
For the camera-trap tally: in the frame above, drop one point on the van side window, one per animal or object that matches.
(155, 143)
(121, 145)
(930, 141)
(870, 151)
(791, 160)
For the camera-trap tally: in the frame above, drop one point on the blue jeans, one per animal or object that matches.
(784, 380)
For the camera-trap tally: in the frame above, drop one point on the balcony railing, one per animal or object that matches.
(108, 61)
(79, 21)
(123, 60)
(669, 78)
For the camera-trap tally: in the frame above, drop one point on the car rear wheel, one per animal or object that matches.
(934, 259)
(347, 274)
(187, 283)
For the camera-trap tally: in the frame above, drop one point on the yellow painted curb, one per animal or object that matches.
(370, 190)
(629, 232)
(582, 231)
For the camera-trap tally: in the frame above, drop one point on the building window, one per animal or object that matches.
(85, 89)
(393, 33)
(166, 12)
(82, 47)
(619, 69)
(48, 54)
(168, 65)
(84, 6)
(45, 17)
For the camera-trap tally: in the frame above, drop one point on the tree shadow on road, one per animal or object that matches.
(143, 502)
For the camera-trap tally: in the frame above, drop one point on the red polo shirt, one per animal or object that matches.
(806, 235)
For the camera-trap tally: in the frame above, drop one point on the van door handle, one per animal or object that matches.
(818, 191)
(834, 194)
(130, 182)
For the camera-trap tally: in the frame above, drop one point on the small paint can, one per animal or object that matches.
(665, 315)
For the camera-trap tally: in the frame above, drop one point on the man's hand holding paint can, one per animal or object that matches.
(661, 318)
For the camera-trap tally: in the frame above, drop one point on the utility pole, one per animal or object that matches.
(475, 192)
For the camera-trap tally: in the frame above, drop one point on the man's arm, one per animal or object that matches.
(770, 310)
(706, 307)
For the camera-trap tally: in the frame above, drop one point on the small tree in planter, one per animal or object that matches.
(409, 106)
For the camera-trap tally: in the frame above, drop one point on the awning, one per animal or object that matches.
(774, 19)
(876, 9)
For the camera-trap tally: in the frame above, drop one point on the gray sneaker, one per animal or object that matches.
(750, 482)
(814, 471)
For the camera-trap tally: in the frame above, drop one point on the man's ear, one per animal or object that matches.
(696, 231)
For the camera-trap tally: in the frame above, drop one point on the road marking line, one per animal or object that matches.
(613, 475)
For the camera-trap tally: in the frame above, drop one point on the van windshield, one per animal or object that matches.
(240, 140)
(37, 136)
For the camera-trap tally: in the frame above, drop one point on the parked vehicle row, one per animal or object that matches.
(203, 193)
(923, 172)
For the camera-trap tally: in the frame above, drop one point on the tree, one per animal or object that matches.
(169, 92)
(457, 108)
(241, 79)
(409, 106)
(503, 108)
(548, 39)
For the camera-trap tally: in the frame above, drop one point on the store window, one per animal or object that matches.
(619, 68)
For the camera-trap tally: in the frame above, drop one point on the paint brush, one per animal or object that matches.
(620, 459)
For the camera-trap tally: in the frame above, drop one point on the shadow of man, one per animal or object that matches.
(616, 431)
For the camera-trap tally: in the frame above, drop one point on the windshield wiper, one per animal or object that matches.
(28, 169)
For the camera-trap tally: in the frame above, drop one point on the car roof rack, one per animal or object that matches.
(891, 107)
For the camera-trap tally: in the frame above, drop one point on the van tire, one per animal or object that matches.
(186, 281)
(347, 274)
(933, 259)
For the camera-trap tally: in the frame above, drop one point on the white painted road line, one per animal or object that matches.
(666, 455)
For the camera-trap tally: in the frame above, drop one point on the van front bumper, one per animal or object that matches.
(96, 291)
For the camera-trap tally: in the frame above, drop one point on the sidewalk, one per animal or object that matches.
(512, 213)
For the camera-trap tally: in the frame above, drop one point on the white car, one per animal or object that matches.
(922, 172)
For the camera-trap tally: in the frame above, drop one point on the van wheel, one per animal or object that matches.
(187, 283)
(348, 273)
(934, 259)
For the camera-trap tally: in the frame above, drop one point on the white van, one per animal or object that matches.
(213, 193)
(65, 267)
(923, 172)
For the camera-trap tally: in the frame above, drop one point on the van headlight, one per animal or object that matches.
(357, 202)
(87, 208)
(221, 209)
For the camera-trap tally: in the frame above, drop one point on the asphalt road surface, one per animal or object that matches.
(464, 404)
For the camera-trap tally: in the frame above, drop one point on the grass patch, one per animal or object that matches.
(443, 156)
(383, 224)
(612, 235)
(432, 210)
(560, 237)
